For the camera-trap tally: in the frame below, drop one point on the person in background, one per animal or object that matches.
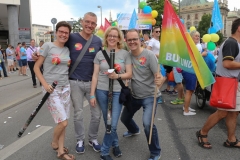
(228, 65)
(18, 57)
(2, 63)
(10, 54)
(23, 57)
(59, 101)
(146, 39)
(32, 50)
(113, 39)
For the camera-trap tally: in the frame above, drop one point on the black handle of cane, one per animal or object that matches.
(109, 117)
(34, 113)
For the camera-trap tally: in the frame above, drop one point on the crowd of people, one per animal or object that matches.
(88, 77)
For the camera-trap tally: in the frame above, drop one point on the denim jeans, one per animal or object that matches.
(3, 69)
(112, 138)
(127, 120)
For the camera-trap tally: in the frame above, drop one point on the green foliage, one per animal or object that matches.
(158, 5)
(204, 25)
(77, 27)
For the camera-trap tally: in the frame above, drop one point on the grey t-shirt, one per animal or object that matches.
(122, 58)
(144, 68)
(229, 50)
(56, 63)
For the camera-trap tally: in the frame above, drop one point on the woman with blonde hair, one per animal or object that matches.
(113, 39)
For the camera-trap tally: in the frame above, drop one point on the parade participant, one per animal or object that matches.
(2, 63)
(10, 58)
(23, 57)
(228, 65)
(55, 58)
(146, 39)
(18, 57)
(113, 39)
(145, 70)
(80, 81)
(32, 50)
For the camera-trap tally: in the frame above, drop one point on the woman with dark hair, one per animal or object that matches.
(54, 57)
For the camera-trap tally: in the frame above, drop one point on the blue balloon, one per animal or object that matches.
(211, 30)
(147, 10)
(182, 21)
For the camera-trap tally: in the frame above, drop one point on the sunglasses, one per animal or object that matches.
(157, 31)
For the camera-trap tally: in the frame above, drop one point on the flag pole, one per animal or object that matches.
(153, 108)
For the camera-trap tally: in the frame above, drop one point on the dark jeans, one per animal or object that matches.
(4, 70)
(31, 65)
(127, 120)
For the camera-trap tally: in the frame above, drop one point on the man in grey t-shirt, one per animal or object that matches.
(145, 69)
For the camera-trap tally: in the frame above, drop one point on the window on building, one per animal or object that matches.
(196, 24)
(188, 16)
(196, 16)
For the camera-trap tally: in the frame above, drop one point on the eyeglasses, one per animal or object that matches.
(112, 36)
(62, 32)
(157, 31)
(132, 40)
(90, 23)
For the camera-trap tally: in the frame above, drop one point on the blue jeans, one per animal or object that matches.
(127, 120)
(112, 138)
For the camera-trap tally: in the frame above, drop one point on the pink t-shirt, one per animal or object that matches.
(17, 53)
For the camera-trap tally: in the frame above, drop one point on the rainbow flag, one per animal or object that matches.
(178, 49)
(100, 32)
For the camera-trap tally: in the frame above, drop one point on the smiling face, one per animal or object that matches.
(62, 34)
(112, 39)
(89, 24)
(133, 40)
(195, 36)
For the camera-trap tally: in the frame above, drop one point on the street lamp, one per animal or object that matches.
(101, 12)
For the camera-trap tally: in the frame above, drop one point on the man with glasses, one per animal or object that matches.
(80, 81)
(145, 73)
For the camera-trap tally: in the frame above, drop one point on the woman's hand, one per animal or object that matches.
(93, 102)
(48, 88)
(113, 75)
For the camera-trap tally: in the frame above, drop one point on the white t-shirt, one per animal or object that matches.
(199, 47)
(155, 45)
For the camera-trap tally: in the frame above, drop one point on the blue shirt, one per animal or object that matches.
(22, 50)
(75, 43)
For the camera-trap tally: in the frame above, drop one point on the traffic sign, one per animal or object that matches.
(54, 20)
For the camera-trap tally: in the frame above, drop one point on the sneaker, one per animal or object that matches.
(106, 157)
(34, 86)
(159, 100)
(165, 91)
(129, 134)
(95, 145)
(177, 101)
(189, 113)
(190, 109)
(117, 152)
(173, 92)
(80, 149)
(155, 157)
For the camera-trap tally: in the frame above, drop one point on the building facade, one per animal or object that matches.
(41, 32)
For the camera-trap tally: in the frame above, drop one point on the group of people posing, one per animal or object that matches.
(89, 78)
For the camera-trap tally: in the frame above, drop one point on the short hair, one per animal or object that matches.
(156, 27)
(32, 40)
(120, 45)
(9, 45)
(90, 14)
(19, 43)
(193, 33)
(23, 43)
(12, 47)
(146, 35)
(63, 24)
(132, 30)
(41, 41)
(235, 25)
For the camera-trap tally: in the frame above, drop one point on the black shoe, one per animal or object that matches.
(17, 69)
(107, 157)
(117, 152)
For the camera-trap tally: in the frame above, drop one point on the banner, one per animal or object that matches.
(178, 49)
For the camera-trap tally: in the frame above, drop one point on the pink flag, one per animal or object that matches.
(106, 24)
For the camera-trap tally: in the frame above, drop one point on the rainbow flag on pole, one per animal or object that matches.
(178, 49)
(100, 32)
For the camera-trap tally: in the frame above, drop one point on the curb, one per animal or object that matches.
(11, 105)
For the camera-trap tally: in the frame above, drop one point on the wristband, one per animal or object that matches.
(91, 97)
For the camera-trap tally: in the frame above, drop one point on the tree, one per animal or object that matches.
(77, 27)
(158, 5)
(204, 25)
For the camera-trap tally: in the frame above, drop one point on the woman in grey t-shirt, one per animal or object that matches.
(113, 39)
(55, 60)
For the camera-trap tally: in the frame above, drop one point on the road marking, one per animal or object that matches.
(15, 146)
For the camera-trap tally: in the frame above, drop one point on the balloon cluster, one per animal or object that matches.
(114, 23)
(210, 39)
(148, 10)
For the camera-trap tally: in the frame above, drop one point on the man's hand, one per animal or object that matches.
(159, 80)
(35, 57)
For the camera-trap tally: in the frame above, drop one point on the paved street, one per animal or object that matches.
(176, 132)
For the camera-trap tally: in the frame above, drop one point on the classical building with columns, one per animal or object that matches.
(15, 22)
